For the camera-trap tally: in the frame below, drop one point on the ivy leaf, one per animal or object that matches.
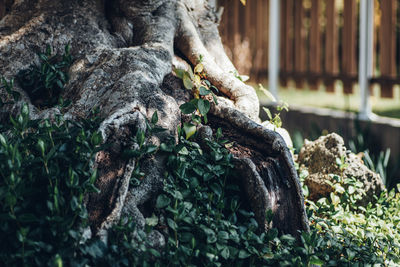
(204, 106)
(172, 224)
(204, 91)
(162, 201)
(243, 254)
(187, 108)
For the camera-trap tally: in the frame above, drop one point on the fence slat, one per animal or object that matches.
(299, 41)
(331, 44)
(261, 26)
(349, 57)
(388, 45)
(315, 43)
(284, 41)
(250, 28)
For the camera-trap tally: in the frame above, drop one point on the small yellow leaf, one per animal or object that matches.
(199, 68)
(243, 2)
(197, 80)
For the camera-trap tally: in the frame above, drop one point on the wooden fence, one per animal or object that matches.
(318, 41)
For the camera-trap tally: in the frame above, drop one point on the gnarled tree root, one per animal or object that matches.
(123, 51)
(267, 171)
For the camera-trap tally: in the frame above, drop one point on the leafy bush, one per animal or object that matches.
(361, 234)
(46, 171)
(45, 82)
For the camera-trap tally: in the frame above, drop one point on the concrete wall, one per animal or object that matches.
(381, 133)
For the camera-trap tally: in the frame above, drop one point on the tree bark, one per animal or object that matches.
(124, 52)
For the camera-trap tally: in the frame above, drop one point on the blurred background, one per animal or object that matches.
(319, 43)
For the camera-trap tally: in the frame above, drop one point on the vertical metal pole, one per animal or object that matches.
(273, 53)
(365, 56)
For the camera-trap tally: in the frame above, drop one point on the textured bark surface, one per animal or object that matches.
(123, 54)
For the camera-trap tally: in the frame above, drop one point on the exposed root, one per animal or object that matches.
(191, 45)
(267, 171)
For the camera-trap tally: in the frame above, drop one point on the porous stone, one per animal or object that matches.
(319, 157)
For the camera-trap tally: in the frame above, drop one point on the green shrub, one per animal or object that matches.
(46, 171)
(45, 82)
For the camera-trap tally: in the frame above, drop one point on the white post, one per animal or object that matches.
(273, 53)
(365, 56)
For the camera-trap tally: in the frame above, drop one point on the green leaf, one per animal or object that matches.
(187, 82)
(223, 235)
(166, 148)
(272, 233)
(154, 252)
(162, 201)
(96, 138)
(25, 110)
(179, 73)
(172, 224)
(314, 260)
(152, 221)
(154, 118)
(204, 91)
(216, 188)
(150, 149)
(225, 253)
(268, 113)
(41, 146)
(243, 254)
(219, 133)
(204, 106)
(189, 129)
(140, 136)
(187, 108)
(3, 140)
(93, 177)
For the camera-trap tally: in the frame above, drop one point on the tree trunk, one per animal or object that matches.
(124, 52)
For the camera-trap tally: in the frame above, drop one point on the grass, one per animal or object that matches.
(337, 100)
